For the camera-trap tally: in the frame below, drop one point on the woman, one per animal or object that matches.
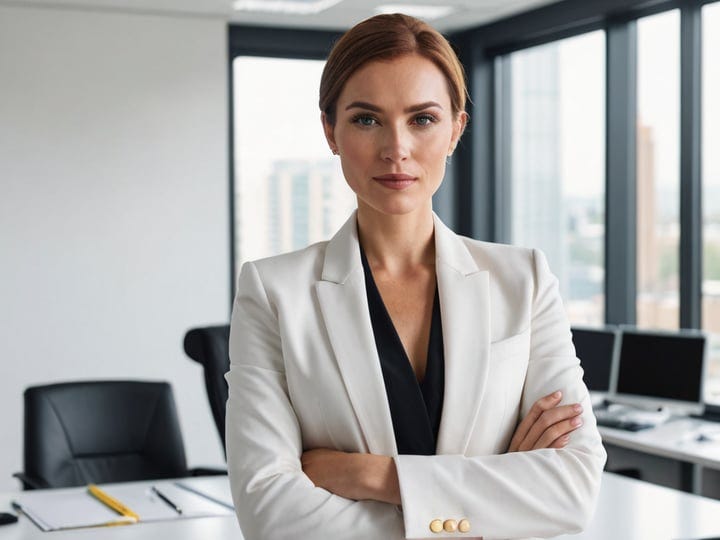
(378, 380)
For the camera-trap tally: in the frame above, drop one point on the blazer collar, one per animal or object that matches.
(343, 303)
(451, 250)
(464, 303)
(342, 255)
(464, 291)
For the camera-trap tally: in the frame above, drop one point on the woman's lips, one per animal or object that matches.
(395, 181)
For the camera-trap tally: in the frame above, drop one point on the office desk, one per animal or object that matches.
(627, 510)
(675, 439)
(693, 464)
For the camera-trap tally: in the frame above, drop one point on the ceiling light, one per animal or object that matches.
(427, 13)
(290, 7)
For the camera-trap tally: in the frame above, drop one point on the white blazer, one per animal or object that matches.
(305, 374)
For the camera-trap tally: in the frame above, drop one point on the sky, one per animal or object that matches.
(281, 95)
(582, 113)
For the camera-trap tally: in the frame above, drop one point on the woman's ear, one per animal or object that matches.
(459, 128)
(329, 130)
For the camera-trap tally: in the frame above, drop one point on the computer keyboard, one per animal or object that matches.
(622, 424)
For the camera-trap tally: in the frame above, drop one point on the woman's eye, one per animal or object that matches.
(364, 120)
(424, 119)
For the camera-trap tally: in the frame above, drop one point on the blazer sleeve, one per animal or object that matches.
(542, 493)
(274, 499)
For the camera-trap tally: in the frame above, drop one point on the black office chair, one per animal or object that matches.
(209, 347)
(100, 431)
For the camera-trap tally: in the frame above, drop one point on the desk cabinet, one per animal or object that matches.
(658, 470)
(710, 483)
(668, 455)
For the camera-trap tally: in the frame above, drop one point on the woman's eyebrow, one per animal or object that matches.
(421, 106)
(375, 108)
(363, 105)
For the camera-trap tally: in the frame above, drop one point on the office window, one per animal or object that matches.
(658, 170)
(556, 165)
(711, 193)
(289, 188)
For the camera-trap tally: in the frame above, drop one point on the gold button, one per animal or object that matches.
(450, 525)
(436, 525)
(464, 525)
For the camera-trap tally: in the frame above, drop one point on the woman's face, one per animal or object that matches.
(394, 130)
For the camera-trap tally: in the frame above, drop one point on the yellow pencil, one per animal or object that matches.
(111, 502)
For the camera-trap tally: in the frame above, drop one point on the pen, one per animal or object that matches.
(162, 496)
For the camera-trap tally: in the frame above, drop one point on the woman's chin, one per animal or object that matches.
(398, 207)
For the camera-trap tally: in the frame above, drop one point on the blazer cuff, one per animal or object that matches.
(423, 505)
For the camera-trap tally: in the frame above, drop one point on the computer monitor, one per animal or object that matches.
(660, 369)
(595, 348)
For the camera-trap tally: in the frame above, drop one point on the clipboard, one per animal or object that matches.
(60, 509)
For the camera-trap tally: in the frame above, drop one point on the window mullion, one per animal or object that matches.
(621, 208)
(690, 167)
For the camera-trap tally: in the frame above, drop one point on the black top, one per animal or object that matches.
(415, 407)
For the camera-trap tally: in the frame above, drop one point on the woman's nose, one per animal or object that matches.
(396, 145)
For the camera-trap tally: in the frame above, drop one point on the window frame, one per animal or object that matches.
(484, 214)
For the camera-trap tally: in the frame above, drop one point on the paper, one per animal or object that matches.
(72, 508)
(151, 508)
(214, 488)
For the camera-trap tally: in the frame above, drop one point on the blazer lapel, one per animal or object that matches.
(343, 303)
(465, 310)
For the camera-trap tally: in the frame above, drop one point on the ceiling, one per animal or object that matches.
(340, 16)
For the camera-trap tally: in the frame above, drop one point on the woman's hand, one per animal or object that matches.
(547, 425)
(352, 475)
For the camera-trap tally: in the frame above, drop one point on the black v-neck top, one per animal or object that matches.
(415, 407)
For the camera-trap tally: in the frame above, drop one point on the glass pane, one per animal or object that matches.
(557, 165)
(289, 189)
(658, 171)
(711, 193)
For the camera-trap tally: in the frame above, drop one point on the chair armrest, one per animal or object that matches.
(29, 482)
(207, 471)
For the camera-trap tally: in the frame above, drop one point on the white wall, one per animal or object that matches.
(113, 206)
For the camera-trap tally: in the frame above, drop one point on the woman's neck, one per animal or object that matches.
(397, 244)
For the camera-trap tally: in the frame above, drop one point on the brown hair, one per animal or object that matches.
(385, 37)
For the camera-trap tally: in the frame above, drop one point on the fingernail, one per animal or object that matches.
(565, 438)
(577, 421)
(577, 408)
(557, 394)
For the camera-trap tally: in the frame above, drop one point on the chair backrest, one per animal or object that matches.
(209, 347)
(102, 431)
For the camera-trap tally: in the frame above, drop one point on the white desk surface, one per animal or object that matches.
(675, 439)
(627, 510)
